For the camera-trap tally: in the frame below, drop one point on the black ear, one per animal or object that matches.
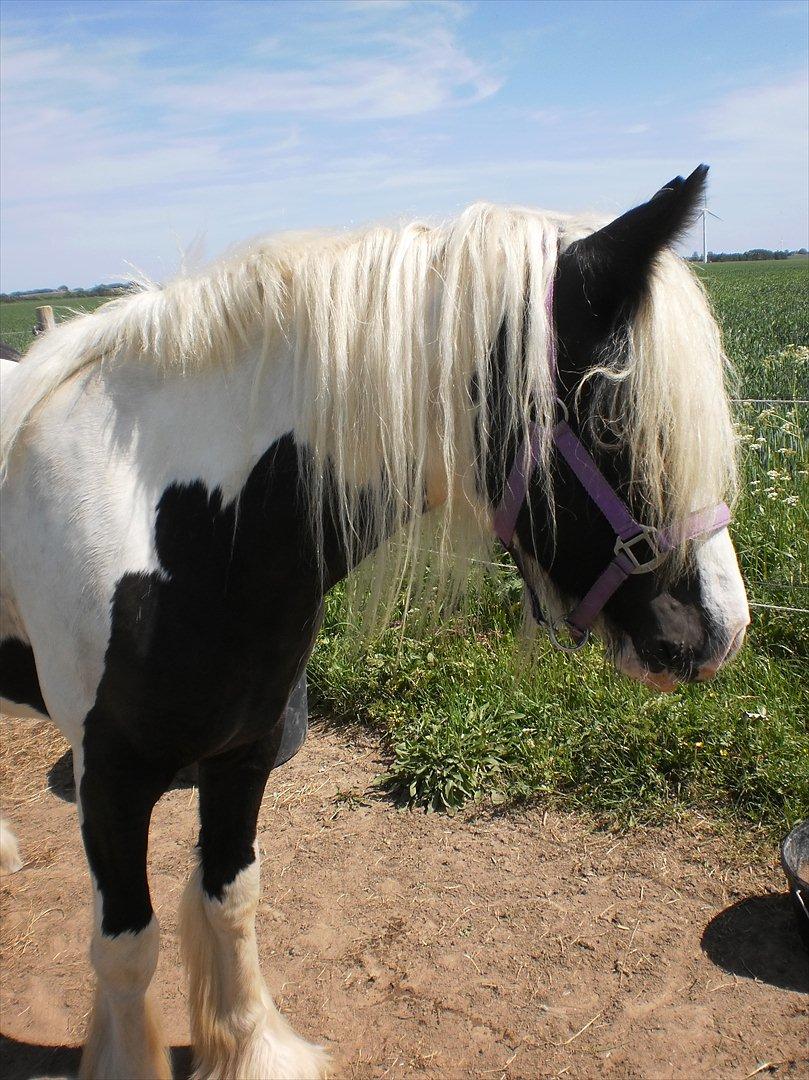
(656, 223)
(613, 263)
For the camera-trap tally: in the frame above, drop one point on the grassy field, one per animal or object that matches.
(466, 721)
(18, 317)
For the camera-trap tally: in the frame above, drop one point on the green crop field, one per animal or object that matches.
(465, 719)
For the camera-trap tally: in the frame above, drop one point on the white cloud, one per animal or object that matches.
(755, 139)
(113, 142)
(382, 74)
(548, 117)
(36, 72)
(344, 90)
(343, 113)
(775, 116)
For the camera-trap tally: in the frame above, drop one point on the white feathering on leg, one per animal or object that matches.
(237, 1032)
(10, 858)
(125, 1038)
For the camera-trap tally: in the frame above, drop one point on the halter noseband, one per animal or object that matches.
(629, 534)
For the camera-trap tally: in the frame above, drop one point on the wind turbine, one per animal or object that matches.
(705, 213)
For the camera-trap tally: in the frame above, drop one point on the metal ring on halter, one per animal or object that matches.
(563, 407)
(577, 644)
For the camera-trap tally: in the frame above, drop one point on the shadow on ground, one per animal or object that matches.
(757, 938)
(63, 785)
(26, 1061)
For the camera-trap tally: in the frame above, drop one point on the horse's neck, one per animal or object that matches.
(211, 426)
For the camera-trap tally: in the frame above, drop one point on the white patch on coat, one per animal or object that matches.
(236, 1030)
(125, 1039)
(723, 594)
(98, 459)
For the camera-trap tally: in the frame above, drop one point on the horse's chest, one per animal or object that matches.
(203, 650)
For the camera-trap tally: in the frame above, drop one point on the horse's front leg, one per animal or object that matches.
(117, 795)
(238, 1033)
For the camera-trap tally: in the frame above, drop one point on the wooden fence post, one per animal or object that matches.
(45, 319)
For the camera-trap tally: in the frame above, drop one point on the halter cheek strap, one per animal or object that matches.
(516, 492)
(630, 536)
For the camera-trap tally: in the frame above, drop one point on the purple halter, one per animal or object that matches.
(628, 531)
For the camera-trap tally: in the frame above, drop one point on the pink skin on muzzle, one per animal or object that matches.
(664, 682)
(709, 670)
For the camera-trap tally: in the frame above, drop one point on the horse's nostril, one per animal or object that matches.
(669, 654)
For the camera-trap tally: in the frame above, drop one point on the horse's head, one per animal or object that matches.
(640, 374)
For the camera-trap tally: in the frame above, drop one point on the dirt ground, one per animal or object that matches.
(517, 945)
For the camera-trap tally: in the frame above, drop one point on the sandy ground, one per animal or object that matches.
(516, 945)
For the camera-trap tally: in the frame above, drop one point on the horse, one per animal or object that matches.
(188, 470)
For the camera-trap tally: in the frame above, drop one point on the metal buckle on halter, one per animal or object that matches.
(578, 643)
(649, 536)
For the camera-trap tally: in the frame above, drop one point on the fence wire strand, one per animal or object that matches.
(769, 401)
(487, 564)
(779, 607)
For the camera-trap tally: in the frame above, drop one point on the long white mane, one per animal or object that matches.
(390, 330)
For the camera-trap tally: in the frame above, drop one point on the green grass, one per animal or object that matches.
(18, 317)
(464, 724)
(764, 310)
(465, 721)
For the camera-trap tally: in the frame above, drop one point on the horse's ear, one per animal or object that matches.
(643, 231)
(614, 262)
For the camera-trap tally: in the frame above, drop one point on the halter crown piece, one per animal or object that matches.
(630, 536)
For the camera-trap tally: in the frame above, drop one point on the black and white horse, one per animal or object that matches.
(188, 469)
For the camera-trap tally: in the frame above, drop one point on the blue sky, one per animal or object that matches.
(132, 130)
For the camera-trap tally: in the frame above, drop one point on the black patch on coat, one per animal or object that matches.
(200, 662)
(19, 681)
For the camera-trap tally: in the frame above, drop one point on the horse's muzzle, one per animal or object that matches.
(709, 670)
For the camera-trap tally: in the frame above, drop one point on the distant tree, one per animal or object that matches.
(114, 288)
(753, 255)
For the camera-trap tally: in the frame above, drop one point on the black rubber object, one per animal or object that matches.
(295, 723)
(794, 858)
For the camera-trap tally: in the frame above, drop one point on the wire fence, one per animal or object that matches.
(20, 339)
